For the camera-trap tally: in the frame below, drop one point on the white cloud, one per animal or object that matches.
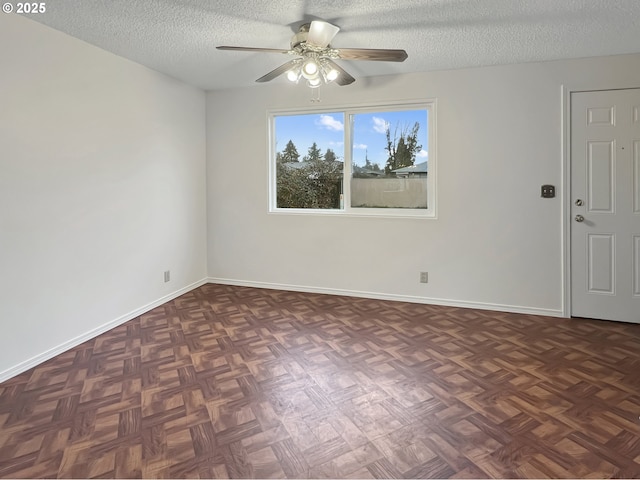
(330, 123)
(360, 146)
(380, 125)
(422, 154)
(336, 144)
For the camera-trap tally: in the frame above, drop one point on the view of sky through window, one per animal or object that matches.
(369, 134)
(326, 129)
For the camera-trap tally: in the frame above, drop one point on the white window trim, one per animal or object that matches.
(429, 213)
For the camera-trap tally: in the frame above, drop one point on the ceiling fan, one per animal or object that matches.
(315, 57)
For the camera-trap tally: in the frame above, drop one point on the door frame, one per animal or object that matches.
(566, 91)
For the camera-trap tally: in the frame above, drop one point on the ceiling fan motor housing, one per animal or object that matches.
(301, 36)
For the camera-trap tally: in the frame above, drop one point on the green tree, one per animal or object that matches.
(315, 183)
(402, 150)
(289, 154)
(294, 189)
(327, 183)
(313, 154)
(330, 155)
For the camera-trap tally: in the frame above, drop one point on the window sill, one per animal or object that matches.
(371, 213)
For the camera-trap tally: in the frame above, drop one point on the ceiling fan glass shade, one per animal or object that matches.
(343, 78)
(329, 74)
(321, 33)
(293, 75)
(314, 82)
(309, 68)
(332, 75)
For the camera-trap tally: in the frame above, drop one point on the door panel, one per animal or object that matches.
(600, 177)
(605, 211)
(601, 267)
(601, 116)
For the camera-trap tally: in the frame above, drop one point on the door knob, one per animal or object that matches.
(579, 218)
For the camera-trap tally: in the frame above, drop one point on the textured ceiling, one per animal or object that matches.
(178, 37)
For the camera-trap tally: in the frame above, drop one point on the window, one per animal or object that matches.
(362, 161)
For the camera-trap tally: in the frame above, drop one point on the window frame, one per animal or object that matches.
(430, 105)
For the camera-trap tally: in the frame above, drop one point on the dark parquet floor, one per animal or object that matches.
(235, 382)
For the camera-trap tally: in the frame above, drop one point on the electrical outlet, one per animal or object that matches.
(547, 191)
(424, 277)
(167, 276)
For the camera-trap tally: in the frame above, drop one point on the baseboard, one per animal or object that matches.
(38, 359)
(394, 297)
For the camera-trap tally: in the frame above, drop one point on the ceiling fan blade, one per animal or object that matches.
(253, 49)
(344, 78)
(374, 54)
(277, 72)
(321, 33)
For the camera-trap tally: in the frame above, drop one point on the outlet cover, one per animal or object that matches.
(424, 277)
(167, 276)
(547, 191)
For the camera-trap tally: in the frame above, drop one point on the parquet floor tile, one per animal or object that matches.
(236, 382)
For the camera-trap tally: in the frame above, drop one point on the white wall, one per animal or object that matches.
(496, 243)
(102, 188)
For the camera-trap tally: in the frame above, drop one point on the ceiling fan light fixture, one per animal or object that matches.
(315, 56)
(310, 68)
(321, 33)
(332, 74)
(293, 75)
(314, 82)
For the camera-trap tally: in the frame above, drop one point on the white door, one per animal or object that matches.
(605, 205)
